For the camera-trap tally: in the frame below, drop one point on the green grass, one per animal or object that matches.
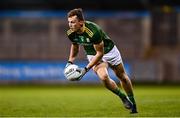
(94, 101)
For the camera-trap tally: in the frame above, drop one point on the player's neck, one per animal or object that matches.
(81, 30)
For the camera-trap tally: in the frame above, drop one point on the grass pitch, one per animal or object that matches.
(86, 101)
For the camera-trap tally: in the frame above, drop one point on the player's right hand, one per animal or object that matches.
(68, 63)
(82, 71)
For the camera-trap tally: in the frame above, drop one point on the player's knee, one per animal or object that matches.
(123, 77)
(104, 77)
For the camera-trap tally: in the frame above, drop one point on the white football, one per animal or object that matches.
(71, 72)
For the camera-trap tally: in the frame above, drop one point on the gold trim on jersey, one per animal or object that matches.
(83, 28)
(69, 32)
(89, 32)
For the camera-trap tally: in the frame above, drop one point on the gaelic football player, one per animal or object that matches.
(101, 53)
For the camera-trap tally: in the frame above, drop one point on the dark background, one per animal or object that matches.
(85, 4)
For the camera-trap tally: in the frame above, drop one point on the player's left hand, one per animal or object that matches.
(83, 71)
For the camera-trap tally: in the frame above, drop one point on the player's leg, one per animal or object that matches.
(101, 71)
(125, 83)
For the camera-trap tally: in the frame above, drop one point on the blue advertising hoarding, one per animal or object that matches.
(63, 13)
(40, 70)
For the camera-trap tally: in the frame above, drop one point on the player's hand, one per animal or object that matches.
(68, 63)
(83, 71)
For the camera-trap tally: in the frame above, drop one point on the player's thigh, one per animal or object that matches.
(101, 70)
(119, 70)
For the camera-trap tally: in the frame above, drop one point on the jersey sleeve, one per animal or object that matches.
(97, 37)
(70, 37)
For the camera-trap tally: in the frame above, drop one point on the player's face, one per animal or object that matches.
(75, 24)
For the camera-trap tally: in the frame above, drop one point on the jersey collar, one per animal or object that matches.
(83, 28)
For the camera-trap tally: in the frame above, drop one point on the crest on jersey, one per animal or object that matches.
(88, 40)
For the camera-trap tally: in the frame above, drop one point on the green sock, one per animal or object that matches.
(131, 97)
(118, 92)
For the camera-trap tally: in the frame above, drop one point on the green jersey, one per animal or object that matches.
(92, 34)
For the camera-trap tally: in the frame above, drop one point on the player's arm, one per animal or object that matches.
(99, 48)
(73, 52)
